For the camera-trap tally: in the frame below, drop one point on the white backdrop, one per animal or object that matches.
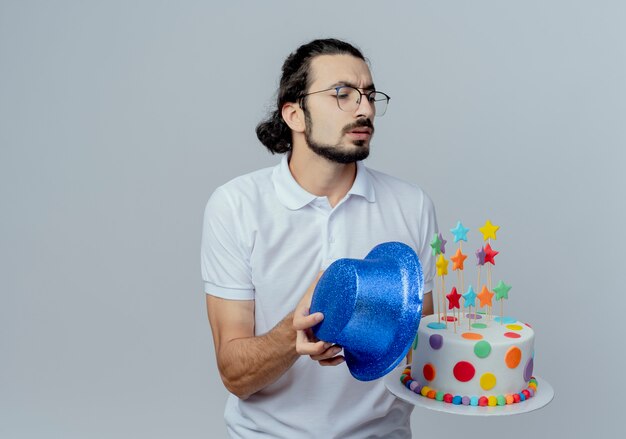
(118, 119)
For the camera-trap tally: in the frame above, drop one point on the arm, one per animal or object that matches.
(247, 363)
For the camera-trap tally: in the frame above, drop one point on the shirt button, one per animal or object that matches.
(331, 240)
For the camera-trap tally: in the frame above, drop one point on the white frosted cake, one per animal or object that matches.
(487, 361)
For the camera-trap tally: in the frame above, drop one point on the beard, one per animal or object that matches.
(339, 153)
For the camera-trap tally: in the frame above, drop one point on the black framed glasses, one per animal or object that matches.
(349, 98)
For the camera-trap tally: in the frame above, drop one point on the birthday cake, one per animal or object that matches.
(464, 354)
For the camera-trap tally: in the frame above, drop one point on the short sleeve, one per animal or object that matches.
(225, 251)
(428, 227)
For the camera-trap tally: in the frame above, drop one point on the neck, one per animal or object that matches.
(320, 176)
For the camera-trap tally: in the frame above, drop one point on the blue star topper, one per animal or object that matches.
(459, 232)
(470, 297)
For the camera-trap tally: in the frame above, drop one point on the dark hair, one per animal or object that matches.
(273, 132)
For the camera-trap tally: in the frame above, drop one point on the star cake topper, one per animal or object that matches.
(489, 230)
(454, 298)
(457, 260)
(490, 254)
(480, 256)
(459, 232)
(442, 265)
(470, 297)
(435, 244)
(485, 297)
(502, 290)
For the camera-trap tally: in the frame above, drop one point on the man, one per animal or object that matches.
(267, 235)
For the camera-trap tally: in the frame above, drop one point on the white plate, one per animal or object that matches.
(542, 397)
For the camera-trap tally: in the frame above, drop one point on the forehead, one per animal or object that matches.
(327, 70)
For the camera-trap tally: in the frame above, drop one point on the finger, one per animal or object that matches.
(333, 361)
(305, 337)
(311, 348)
(303, 321)
(327, 354)
(305, 347)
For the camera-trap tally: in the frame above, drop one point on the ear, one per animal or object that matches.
(293, 116)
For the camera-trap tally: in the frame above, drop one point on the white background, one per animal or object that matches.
(118, 119)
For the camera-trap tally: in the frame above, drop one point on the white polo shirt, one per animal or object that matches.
(264, 239)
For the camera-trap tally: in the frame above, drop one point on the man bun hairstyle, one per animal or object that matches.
(273, 132)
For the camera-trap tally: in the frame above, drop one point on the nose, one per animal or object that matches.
(365, 108)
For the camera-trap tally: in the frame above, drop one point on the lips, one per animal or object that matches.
(361, 131)
(360, 134)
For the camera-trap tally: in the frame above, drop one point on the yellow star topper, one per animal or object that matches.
(488, 230)
(442, 265)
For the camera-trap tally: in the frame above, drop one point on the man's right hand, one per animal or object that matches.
(306, 343)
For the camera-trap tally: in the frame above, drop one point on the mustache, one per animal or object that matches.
(359, 124)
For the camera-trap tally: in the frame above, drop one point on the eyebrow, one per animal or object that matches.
(351, 84)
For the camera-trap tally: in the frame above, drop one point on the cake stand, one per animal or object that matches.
(542, 397)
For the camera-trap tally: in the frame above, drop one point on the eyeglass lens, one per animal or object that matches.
(349, 98)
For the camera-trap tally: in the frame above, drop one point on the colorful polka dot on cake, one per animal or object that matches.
(464, 371)
(482, 349)
(487, 381)
(473, 316)
(471, 336)
(528, 370)
(429, 372)
(513, 357)
(436, 341)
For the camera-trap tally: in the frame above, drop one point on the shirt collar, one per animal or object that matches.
(294, 197)
(363, 183)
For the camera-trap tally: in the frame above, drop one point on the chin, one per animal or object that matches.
(346, 153)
